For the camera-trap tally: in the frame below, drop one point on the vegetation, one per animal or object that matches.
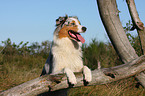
(124, 87)
(23, 62)
(20, 63)
(100, 52)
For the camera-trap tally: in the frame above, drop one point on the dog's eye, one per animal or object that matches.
(72, 23)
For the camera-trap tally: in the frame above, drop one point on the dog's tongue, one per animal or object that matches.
(80, 38)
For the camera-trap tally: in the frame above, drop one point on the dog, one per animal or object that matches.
(65, 54)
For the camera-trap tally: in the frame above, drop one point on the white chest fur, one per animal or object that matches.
(66, 54)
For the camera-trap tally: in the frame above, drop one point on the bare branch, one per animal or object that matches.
(110, 18)
(134, 15)
(99, 65)
(137, 24)
(109, 15)
(141, 33)
(100, 76)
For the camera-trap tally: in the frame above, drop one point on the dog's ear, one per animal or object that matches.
(58, 21)
(61, 20)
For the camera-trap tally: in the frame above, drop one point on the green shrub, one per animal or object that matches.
(100, 52)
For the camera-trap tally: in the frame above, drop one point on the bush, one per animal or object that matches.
(100, 52)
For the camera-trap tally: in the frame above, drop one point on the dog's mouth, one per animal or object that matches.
(76, 36)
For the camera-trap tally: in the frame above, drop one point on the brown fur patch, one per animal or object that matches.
(64, 31)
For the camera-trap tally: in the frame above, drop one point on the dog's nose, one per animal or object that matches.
(84, 29)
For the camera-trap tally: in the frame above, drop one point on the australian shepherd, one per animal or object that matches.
(66, 55)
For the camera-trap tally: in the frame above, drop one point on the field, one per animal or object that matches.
(23, 62)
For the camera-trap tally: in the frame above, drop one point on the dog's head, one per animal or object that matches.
(71, 28)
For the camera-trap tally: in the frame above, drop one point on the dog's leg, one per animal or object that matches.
(70, 76)
(87, 75)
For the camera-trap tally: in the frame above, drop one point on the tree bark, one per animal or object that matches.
(100, 76)
(110, 18)
(137, 24)
(141, 34)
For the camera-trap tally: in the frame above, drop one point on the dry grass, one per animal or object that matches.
(16, 69)
(19, 69)
(120, 88)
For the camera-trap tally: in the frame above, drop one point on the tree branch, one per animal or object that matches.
(100, 76)
(134, 15)
(137, 24)
(141, 33)
(110, 18)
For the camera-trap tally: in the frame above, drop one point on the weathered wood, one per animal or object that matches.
(57, 82)
(110, 18)
(137, 23)
(141, 33)
(141, 78)
(134, 15)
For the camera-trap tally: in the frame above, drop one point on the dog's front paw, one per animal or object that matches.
(71, 77)
(72, 80)
(87, 75)
(85, 82)
(71, 85)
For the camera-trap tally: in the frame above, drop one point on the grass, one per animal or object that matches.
(16, 68)
(124, 87)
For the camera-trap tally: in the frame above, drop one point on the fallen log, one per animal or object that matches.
(56, 82)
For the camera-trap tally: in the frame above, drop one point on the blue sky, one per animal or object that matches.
(34, 20)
